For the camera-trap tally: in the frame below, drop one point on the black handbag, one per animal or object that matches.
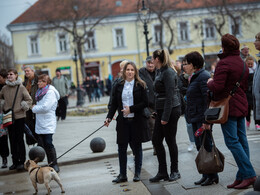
(209, 162)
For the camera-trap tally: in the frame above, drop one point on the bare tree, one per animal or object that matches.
(6, 53)
(225, 10)
(75, 17)
(165, 12)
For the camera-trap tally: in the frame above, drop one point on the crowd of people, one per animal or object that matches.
(149, 102)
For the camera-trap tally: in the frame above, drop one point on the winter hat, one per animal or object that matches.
(230, 42)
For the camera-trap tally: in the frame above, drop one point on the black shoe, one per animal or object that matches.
(56, 168)
(4, 165)
(174, 176)
(210, 181)
(200, 181)
(120, 179)
(13, 167)
(136, 178)
(20, 167)
(159, 177)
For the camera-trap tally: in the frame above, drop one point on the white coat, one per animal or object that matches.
(45, 112)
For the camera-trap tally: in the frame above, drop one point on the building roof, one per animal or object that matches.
(42, 10)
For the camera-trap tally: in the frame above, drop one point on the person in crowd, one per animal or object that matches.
(30, 82)
(61, 83)
(168, 111)
(87, 84)
(22, 104)
(256, 86)
(244, 53)
(47, 99)
(117, 80)
(197, 102)
(147, 74)
(4, 149)
(108, 86)
(228, 71)
(183, 83)
(129, 99)
(250, 64)
(96, 90)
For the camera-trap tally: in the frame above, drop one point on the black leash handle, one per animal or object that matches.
(78, 143)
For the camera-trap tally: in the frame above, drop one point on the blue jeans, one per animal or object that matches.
(234, 132)
(45, 141)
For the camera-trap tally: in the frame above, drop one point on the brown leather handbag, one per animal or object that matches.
(218, 110)
(209, 162)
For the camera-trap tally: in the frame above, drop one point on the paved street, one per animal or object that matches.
(85, 172)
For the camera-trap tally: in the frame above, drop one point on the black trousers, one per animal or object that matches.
(61, 110)
(4, 149)
(168, 132)
(16, 136)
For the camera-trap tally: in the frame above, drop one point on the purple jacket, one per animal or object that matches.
(227, 73)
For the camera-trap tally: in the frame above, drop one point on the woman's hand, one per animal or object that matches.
(206, 126)
(107, 122)
(209, 80)
(126, 111)
(164, 122)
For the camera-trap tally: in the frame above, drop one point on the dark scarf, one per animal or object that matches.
(41, 92)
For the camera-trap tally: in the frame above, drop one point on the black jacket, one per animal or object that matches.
(166, 91)
(145, 75)
(197, 97)
(140, 133)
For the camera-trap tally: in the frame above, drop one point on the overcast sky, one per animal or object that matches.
(10, 10)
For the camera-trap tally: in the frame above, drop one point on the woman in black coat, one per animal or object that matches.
(129, 99)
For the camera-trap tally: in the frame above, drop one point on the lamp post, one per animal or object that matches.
(202, 41)
(80, 100)
(144, 19)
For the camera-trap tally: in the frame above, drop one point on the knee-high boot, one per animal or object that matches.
(52, 158)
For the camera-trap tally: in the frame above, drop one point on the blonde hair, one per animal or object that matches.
(249, 58)
(122, 64)
(137, 78)
(163, 56)
(257, 36)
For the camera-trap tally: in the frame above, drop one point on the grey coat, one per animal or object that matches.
(256, 92)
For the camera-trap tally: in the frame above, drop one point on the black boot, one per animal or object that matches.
(4, 165)
(51, 155)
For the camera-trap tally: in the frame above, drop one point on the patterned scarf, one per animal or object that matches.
(41, 92)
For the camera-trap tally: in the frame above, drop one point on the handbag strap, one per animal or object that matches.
(237, 85)
(212, 139)
(15, 96)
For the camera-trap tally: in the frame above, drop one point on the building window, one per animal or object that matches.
(119, 40)
(209, 29)
(236, 28)
(183, 31)
(63, 43)
(90, 42)
(157, 34)
(34, 45)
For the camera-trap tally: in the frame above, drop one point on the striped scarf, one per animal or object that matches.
(41, 92)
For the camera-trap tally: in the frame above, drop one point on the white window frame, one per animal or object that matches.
(58, 43)
(29, 45)
(115, 38)
(205, 25)
(179, 31)
(86, 47)
(240, 26)
(154, 34)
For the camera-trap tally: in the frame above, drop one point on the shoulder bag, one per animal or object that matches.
(209, 162)
(218, 110)
(8, 116)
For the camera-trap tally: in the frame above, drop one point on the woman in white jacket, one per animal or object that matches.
(47, 98)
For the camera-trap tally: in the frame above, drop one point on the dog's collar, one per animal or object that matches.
(38, 168)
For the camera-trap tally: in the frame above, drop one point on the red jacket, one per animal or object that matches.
(227, 73)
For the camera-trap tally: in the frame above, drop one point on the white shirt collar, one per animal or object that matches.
(131, 82)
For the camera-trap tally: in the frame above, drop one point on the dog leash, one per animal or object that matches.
(78, 143)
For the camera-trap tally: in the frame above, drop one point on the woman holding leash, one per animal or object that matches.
(47, 99)
(129, 99)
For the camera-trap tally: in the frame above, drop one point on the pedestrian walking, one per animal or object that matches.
(168, 112)
(256, 86)
(197, 102)
(47, 99)
(129, 99)
(4, 149)
(22, 103)
(87, 84)
(60, 82)
(228, 71)
(96, 90)
(147, 74)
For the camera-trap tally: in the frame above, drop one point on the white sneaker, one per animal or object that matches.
(191, 146)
